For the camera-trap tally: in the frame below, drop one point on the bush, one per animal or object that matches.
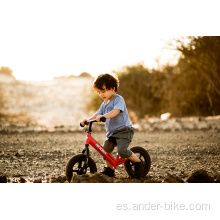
(191, 87)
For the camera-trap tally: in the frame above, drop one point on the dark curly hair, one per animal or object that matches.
(106, 80)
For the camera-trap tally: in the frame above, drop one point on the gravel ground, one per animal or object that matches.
(42, 156)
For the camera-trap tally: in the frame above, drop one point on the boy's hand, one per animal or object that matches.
(83, 122)
(98, 118)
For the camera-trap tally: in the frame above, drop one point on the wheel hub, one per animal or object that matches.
(81, 171)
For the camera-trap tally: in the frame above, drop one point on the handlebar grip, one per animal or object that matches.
(86, 123)
(103, 119)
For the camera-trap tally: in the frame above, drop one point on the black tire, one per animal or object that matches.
(144, 156)
(76, 163)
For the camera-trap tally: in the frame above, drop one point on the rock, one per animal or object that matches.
(38, 180)
(3, 179)
(187, 125)
(200, 176)
(217, 179)
(172, 179)
(127, 181)
(92, 178)
(101, 178)
(165, 116)
(202, 125)
(17, 154)
(22, 180)
(59, 179)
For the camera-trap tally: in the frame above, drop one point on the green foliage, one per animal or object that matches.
(191, 87)
(138, 86)
(201, 74)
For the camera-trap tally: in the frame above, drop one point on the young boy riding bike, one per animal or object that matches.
(118, 127)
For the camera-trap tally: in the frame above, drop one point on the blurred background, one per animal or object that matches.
(51, 51)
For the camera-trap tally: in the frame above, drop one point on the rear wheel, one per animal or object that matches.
(142, 154)
(76, 165)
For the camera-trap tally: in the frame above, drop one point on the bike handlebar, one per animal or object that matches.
(102, 119)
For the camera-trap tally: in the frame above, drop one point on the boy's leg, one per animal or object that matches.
(109, 170)
(124, 152)
(109, 165)
(109, 147)
(134, 158)
(122, 145)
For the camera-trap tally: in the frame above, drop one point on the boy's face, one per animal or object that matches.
(106, 95)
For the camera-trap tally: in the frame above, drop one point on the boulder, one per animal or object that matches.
(59, 179)
(101, 178)
(3, 179)
(39, 180)
(92, 178)
(22, 180)
(200, 176)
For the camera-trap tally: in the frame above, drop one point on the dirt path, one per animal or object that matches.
(42, 157)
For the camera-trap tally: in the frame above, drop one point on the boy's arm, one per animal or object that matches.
(93, 117)
(111, 114)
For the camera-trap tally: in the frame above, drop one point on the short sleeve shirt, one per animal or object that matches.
(118, 122)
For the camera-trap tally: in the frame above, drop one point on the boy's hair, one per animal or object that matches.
(106, 80)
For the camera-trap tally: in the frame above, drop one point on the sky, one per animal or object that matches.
(40, 40)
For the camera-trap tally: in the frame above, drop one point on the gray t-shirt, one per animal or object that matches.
(119, 121)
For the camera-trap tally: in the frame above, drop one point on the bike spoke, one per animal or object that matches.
(77, 167)
(140, 156)
(80, 164)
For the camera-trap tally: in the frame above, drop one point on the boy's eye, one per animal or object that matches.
(102, 91)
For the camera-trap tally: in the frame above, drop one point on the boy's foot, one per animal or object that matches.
(108, 171)
(139, 168)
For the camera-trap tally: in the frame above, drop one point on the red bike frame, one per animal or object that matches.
(114, 162)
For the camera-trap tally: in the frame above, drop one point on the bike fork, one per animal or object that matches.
(86, 163)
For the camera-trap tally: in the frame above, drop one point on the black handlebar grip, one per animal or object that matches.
(103, 119)
(86, 123)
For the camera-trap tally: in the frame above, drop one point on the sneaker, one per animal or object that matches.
(139, 168)
(108, 171)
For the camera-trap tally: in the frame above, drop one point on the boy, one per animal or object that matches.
(119, 129)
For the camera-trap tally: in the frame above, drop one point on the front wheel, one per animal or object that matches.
(144, 156)
(76, 165)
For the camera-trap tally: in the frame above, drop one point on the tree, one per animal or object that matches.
(141, 89)
(6, 71)
(85, 74)
(191, 87)
(201, 61)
